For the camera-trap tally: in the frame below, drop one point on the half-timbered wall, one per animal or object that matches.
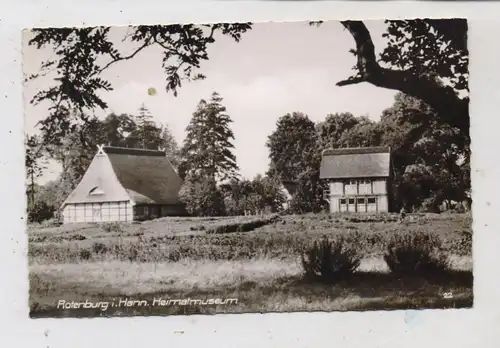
(358, 195)
(98, 212)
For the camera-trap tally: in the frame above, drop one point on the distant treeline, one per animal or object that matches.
(431, 159)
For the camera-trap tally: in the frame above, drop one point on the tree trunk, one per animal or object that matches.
(32, 193)
(443, 99)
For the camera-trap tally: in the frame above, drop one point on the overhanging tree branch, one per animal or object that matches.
(443, 99)
(120, 58)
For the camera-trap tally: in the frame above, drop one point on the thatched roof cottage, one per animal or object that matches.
(358, 179)
(124, 184)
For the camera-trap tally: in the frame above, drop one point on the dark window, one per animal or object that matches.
(371, 200)
(361, 201)
(351, 200)
(342, 201)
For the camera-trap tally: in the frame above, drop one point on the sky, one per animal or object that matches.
(277, 68)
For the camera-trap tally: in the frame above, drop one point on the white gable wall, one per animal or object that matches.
(99, 174)
(109, 202)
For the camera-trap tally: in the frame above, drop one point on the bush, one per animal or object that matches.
(201, 196)
(85, 254)
(99, 248)
(242, 226)
(39, 211)
(330, 261)
(464, 244)
(415, 254)
(111, 227)
(367, 218)
(76, 237)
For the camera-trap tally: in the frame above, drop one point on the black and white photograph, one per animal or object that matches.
(248, 167)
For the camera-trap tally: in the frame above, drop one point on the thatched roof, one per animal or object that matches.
(145, 176)
(359, 162)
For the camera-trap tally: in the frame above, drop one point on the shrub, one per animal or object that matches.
(75, 237)
(366, 218)
(111, 227)
(242, 226)
(330, 261)
(417, 253)
(39, 211)
(464, 244)
(201, 196)
(99, 248)
(85, 254)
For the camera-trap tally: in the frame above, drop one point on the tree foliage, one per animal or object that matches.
(346, 130)
(291, 145)
(34, 163)
(423, 58)
(201, 196)
(208, 147)
(260, 195)
(145, 134)
(77, 149)
(39, 211)
(82, 54)
(171, 147)
(427, 127)
(430, 158)
(295, 157)
(330, 131)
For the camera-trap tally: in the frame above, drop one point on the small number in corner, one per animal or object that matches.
(447, 295)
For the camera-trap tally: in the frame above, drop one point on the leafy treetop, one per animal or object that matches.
(82, 54)
(424, 58)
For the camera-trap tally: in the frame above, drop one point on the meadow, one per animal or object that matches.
(256, 259)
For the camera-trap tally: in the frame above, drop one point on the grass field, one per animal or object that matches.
(253, 259)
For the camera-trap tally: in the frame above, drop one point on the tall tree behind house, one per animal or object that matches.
(295, 159)
(207, 158)
(430, 157)
(208, 148)
(146, 135)
(171, 146)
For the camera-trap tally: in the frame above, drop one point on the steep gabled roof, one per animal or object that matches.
(122, 174)
(344, 163)
(147, 174)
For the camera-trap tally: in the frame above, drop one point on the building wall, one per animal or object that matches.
(380, 186)
(358, 195)
(98, 212)
(383, 204)
(155, 211)
(117, 211)
(337, 188)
